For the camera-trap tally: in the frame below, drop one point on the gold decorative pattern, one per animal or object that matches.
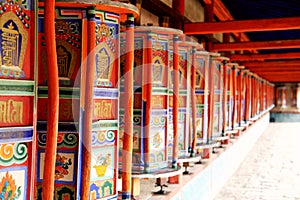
(11, 37)
(66, 66)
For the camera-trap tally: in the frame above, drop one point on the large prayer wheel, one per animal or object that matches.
(17, 99)
(87, 44)
(152, 76)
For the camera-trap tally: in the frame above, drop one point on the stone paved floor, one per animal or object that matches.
(271, 171)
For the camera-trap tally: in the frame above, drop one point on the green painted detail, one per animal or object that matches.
(181, 92)
(15, 87)
(135, 112)
(159, 90)
(64, 92)
(200, 106)
(105, 125)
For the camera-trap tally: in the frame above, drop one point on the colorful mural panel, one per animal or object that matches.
(103, 163)
(13, 183)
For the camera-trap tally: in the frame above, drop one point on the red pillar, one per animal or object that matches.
(88, 107)
(147, 97)
(128, 110)
(175, 100)
(53, 102)
(193, 98)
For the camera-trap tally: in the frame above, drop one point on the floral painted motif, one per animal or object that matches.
(8, 189)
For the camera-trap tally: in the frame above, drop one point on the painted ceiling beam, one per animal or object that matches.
(272, 24)
(286, 74)
(223, 14)
(273, 69)
(271, 56)
(272, 64)
(276, 44)
(278, 79)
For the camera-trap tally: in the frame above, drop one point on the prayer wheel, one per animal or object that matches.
(17, 99)
(87, 37)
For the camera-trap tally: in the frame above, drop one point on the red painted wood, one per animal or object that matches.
(211, 97)
(88, 112)
(148, 94)
(287, 63)
(261, 57)
(224, 103)
(234, 93)
(248, 96)
(175, 101)
(239, 96)
(193, 100)
(277, 44)
(53, 98)
(178, 5)
(128, 108)
(272, 24)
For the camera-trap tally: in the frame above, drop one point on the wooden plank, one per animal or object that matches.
(280, 78)
(272, 24)
(276, 44)
(282, 73)
(288, 63)
(274, 69)
(261, 57)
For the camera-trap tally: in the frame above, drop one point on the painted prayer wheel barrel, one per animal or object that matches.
(241, 96)
(152, 49)
(219, 98)
(185, 138)
(199, 114)
(228, 96)
(17, 99)
(247, 107)
(206, 143)
(87, 43)
(151, 79)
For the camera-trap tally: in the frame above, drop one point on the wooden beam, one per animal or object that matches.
(280, 78)
(274, 69)
(276, 44)
(272, 64)
(223, 14)
(242, 26)
(287, 74)
(274, 56)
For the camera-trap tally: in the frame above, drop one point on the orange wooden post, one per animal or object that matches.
(53, 97)
(224, 103)
(253, 96)
(234, 92)
(240, 96)
(88, 107)
(175, 100)
(128, 110)
(248, 96)
(147, 87)
(193, 100)
(211, 73)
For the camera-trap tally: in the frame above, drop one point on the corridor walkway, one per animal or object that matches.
(271, 170)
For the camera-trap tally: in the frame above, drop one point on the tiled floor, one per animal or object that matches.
(271, 170)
